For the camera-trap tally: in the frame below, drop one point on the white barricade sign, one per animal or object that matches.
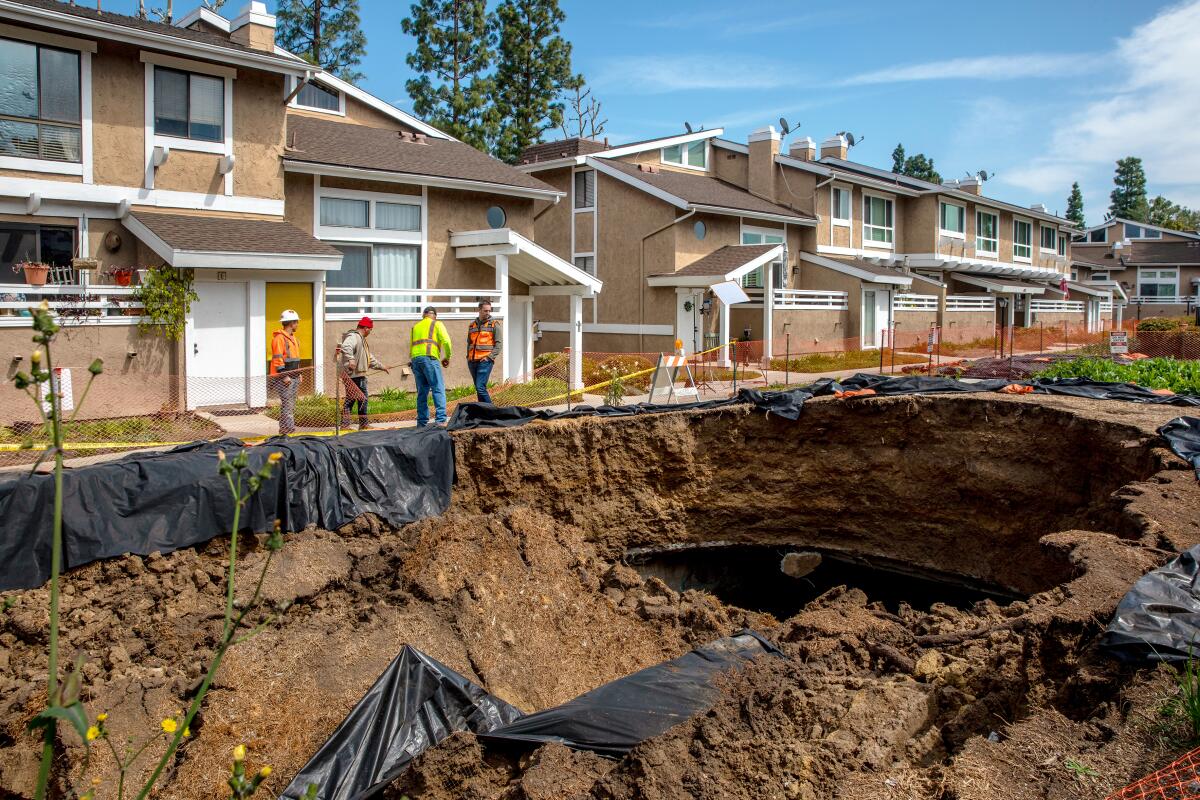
(1118, 342)
(667, 372)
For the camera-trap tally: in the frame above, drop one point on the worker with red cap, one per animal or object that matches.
(354, 359)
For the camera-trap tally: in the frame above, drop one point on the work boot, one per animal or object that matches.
(363, 425)
(345, 423)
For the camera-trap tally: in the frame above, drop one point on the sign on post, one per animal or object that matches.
(1118, 342)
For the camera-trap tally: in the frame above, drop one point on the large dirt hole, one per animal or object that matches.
(782, 580)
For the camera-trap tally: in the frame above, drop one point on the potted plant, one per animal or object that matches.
(122, 276)
(35, 273)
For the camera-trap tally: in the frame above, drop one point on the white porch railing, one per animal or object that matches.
(914, 302)
(968, 303)
(1066, 306)
(74, 304)
(800, 300)
(1178, 300)
(1105, 307)
(351, 304)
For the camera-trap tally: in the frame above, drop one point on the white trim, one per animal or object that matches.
(505, 241)
(735, 147)
(997, 286)
(681, 164)
(625, 178)
(872, 243)
(609, 327)
(167, 143)
(1016, 258)
(1053, 251)
(593, 209)
(47, 38)
(111, 197)
(253, 13)
(306, 168)
(41, 165)
(948, 233)
(834, 222)
(85, 113)
(994, 214)
(850, 269)
(202, 14)
(206, 259)
(187, 65)
(369, 234)
(621, 150)
(290, 90)
(729, 211)
(371, 101)
(1109, 223)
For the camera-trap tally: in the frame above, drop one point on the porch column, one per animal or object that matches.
(768, 310)
(724, 333)
(1119, 310)
(1028, 311)
(576, 365)
(506, 370)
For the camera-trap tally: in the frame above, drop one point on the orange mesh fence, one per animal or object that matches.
(1179, 780)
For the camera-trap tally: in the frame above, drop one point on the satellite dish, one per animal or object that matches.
(984, 175)
(783, 126)
(687, 126)
(851, 140)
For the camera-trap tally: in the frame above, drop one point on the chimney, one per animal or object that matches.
(804, 149)
(834, 147)
(1040, 208)
(764, 146)
(254, 27)
(972, 185)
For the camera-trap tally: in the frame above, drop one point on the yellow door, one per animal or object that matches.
(299, 298)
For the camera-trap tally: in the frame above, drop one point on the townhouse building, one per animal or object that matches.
(1156, 271)
(859, 252)
(201, 146)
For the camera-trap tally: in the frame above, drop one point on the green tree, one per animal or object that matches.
(898, 159)
(327, 33)
(533, 67)
(1165, 214)
(1075, 206)
(453, 53)
(1129, 191)
(919, 166)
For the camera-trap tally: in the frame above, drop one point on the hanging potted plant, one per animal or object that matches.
(35, 273)
(122, 276)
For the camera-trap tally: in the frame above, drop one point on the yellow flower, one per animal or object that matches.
(187, 731)
(101, 717)
(239, 753)
(44, 305)
(274, 457)
(93, 733)
(265, 771)
(169, 725)
(220, 455)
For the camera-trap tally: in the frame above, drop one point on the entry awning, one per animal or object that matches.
(998, 286)
(729, 263)
(191, 241)
(861, 269)
(529, 263)
(1094, 291)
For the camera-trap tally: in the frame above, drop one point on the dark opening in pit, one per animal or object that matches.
(751, 577)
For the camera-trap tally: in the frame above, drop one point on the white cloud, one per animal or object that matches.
(662, 74)
(992, 68)
(1153, 114)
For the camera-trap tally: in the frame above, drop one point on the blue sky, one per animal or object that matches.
(1041, 93)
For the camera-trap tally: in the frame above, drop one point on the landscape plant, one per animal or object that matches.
(1181, 377)
(64, 703)
(166, 295)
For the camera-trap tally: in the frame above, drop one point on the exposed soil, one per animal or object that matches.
(521, 587)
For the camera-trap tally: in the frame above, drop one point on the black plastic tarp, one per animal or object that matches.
(1159, 618)
(1183, 434)
(164, 501)
(614, 718)
(416, 703)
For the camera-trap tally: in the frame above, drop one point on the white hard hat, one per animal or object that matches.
(289, 316)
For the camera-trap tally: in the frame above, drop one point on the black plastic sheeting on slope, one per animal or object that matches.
(1159, 618)
(614, 718)
(1183, 434)
(416, 703)
(168, 500)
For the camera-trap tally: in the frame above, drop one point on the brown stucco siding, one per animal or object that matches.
(584, 232)
(298, 200)
(731, 167)
(813, 276)
(451, 211)
(720, 230)
(187, 171)
(118, 115)
(383, 187)
(258, 133)
(552, 226)
(794, 331)
(965, 326)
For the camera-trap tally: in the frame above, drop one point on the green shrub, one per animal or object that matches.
(1181, 377)
(1161, 324)
(542, 359)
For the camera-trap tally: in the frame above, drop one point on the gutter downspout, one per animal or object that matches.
(642, 283)
(547, 208)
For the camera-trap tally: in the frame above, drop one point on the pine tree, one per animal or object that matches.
(1129, 191)
(533, 67)
(898, 159)
(453, 53)
(327, 33)
(1075, 206)
(1165, 214)
(921, 167)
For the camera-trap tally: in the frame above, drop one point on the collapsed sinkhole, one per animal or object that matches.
(781, 579)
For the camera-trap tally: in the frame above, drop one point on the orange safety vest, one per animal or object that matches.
(481, 339)
(284, 347)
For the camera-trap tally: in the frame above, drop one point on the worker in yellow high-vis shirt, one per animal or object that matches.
(430, 351)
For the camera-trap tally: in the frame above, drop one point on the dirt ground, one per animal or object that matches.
(521, 587)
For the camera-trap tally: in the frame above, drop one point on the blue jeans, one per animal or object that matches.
(428, 372)
(480, 372)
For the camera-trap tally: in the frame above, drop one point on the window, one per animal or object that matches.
(877, 220)
(496, 217)
(1138, 232)
(188, 105)
(953, 219)
(754, 279)
(380, 266)
(692, 154)
(987, 233)
(341, 212)
(314, 95)
(49, 245)
(1099, 276)
(585, 189)
(700, 229)
(1049, 239)
(840, 206)
(1062, 245)
(1098, 235)
(40, 111)
(1022, 239)
(395, 216)
(1158, 282)
(586, 263)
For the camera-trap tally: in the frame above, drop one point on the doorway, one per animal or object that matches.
(519, 327)
(876, 317)
(217, 346)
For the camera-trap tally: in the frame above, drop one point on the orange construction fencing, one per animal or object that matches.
(1179, 780)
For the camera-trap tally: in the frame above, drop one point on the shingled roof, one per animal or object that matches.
(208, 234)
(728, 258)
(563, 148)
(1162, 253)
(702, 190)
(316, 141)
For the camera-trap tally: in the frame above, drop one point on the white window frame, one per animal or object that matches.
(290, 86)
(1144, 229)
(594, 211)
(943, 231)
(1023, 259)
(85, 49)
(866, 242)
(780, 265)
(662, 156)
(1158, 279)
(168, 143)
(1099, 276)
(369, 234)
(1062, 244)
(1042, 238)
(848, 222)
(578, 171)
(994, 252)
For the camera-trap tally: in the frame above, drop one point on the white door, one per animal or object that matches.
(876, 316)
(689, 322)
(217, 345)
(519, 326)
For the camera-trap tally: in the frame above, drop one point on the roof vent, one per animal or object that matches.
(1039, 207)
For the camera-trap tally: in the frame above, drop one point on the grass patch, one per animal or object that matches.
(148, 430)
(321, 410)
(1181, 377)
(851, 359)
(539, 391)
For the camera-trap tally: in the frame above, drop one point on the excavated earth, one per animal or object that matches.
(525, 586)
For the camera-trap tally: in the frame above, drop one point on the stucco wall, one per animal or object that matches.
(731, 167)
(799, 331)
(298, 200)
(1075, 318)
(552, 228)
(450, 211)
(965, 326)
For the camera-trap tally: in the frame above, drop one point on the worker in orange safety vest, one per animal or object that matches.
(483, 342)
(285, 365)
